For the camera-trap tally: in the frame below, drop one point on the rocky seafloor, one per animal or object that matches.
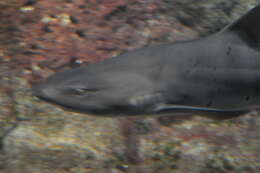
(41, 37)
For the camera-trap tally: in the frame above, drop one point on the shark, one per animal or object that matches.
(217, 76)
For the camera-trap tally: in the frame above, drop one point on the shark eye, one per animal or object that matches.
(83, 91)
(79, 91)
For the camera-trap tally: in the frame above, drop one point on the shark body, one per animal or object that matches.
(216, 76)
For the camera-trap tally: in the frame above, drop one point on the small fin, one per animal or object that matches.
(248, 25)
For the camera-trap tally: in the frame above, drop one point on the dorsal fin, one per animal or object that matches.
(248, 25)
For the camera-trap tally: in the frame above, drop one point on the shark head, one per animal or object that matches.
(100, 89)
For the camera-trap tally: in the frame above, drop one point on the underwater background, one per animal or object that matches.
(41, 37)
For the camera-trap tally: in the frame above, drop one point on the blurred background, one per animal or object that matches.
(41, 37)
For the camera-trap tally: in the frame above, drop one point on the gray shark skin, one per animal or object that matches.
(215, 76)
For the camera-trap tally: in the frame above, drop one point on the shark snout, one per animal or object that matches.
(43, 91)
